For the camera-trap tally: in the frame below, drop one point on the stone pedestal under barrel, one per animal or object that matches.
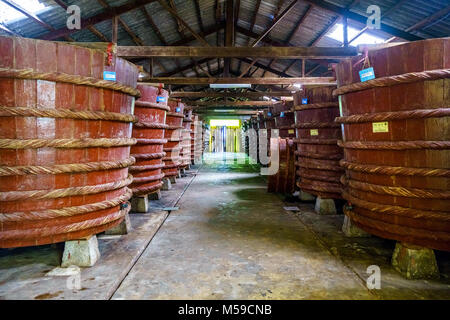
(150, 110)
(65, 137)
(317, 134)
(397, 142)
(172, 148)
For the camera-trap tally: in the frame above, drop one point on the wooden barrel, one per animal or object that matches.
(172, 147)
(196, 140)
(150, 110)
(317, 134)
(186, 139)
(65, 137)
(285, 119)
(284, 180)
(397, 142)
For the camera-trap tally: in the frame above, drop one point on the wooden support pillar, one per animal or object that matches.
(345, 27)
(115, 27)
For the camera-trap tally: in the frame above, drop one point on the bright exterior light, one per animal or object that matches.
(298, 85)
(225, 123)
(266, 98)
(229, 85)
(9, 14)
(365, 38)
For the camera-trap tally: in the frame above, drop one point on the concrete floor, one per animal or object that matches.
(229, 240)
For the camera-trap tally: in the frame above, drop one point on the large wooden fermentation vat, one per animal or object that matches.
(397, 142)
(150, 110)
(318, 154)
(197, 140)
(172, 147)
(284, 119)
(186, 145)
(65, 137)
(284, 179)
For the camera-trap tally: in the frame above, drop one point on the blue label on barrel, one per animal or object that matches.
(269, 114)
(160, 99)
(304, 101)
(281, 114)
(178, 109)
(367, 74)
(109, 75)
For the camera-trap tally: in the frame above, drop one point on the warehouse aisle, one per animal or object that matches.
(232, 240)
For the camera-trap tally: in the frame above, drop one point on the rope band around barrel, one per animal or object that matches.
(315, 141)
(65, 114)
(394, 80)
(388, 170)
(147, 104)
(147, 189)
(146, 167)
(396, 191)
(64, 229)
(64, 143)
(30, 74)
(61, 193)
(316, 106)
(317, 166)
(66, 168)
(396, 210)
(151, 141)
(148, 178)
(319, 155)
(397, 115)
(302, 173)
(309, 125)
(151, 125)
(174, 127)
(321, 186)
(149, 156)
(173, 165)
(394, 145)
(65, 212)
(175, 114)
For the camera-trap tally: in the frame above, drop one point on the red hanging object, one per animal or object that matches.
(109, 54)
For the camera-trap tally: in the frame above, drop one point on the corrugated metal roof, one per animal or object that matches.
(404, 16)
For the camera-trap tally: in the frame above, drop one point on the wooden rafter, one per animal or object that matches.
(341, 11)
(103, 16)
(92, 29)
(31, 15)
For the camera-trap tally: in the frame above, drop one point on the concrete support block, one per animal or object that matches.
(179, 174)
(188, 167)
(183, 172)
(82, 253)
(139, 204)
(415, 262)
(173, 180)
(166, 184)
(155, 195)
(122, 228)
(352, 231)
(305, 196)
(325, 206)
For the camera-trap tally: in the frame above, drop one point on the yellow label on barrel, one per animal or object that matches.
(380, 127)
(314, 132)
(291, 131)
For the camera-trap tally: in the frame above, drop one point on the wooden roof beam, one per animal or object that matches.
(215, 94)
(237, 52)
(259, 81)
